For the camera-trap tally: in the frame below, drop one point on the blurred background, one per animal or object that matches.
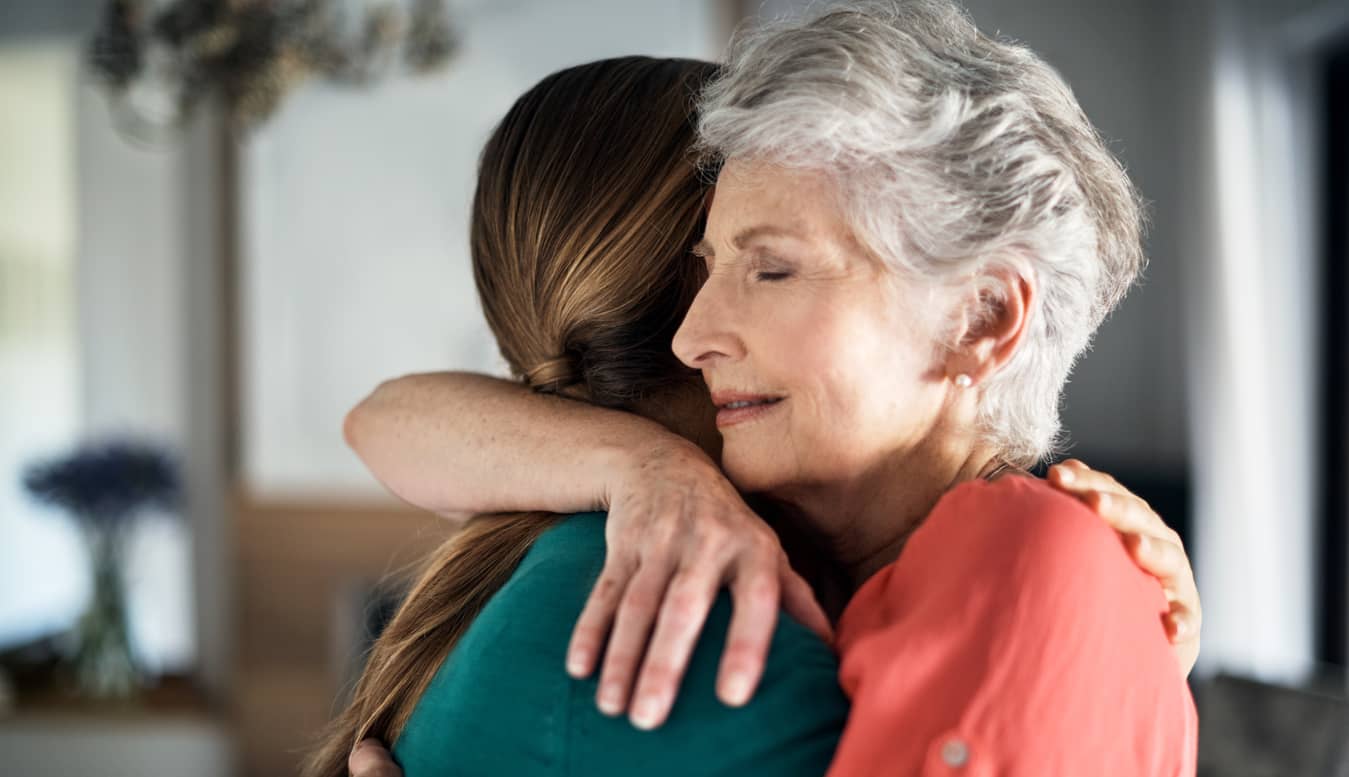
(215, 240)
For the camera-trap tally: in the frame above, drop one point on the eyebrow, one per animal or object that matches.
(703, 248)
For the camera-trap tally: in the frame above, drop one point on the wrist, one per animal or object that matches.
(629, 463)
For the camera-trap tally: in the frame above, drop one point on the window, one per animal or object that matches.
(43, 584)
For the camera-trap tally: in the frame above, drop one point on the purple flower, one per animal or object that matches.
(106, 484)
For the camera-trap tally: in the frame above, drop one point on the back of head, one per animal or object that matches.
(587, 205)
(588, 201)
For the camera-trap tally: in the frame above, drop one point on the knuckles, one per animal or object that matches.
(607, 588)
(636, 599)
(685, 606)
(761, 590)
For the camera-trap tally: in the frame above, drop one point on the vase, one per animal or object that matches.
(104, 666)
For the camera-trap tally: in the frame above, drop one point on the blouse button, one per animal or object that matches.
(955, 753)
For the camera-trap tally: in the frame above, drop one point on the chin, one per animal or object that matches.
(753, 472)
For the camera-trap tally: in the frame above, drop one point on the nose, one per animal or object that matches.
(709, 333)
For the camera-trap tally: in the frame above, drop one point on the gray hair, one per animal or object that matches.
(954, 155)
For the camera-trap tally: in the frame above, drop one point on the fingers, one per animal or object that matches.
(681, 619)
(1161, 558)
(597, 617)
(681, 516)
(756, 615)
(627, 644)
(1073, 475)
(1128, 514)
(1119, 506)
(1182, 625)
(1168, 563)
(1183, 628)
(370, 759)
(798, 599)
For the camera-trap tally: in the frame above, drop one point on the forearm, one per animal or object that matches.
(460, 443)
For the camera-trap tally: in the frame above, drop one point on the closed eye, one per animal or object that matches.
(771, 276)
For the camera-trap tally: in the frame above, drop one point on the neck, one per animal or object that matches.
(867, 519)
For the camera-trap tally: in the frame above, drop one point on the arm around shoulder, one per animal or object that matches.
(458, 443)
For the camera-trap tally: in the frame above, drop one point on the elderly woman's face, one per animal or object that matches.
(814, 354)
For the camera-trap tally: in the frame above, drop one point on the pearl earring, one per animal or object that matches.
(964, 381)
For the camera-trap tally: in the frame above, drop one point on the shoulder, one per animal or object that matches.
(570, 552)
(574, 545)
(505, 674)
(1019, 546)
(1013, 616)
(1023, 504)
(791, 726)
(1029, 524)
(529, 620)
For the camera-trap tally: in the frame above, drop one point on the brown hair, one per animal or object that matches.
(588, 202)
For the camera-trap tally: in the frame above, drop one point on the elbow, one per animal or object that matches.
(359, 420)
(362, 431)
(371, 431)
(356, 431)
(456, 518)
(349, 423)
(353, 424)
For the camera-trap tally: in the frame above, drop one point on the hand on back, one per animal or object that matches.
(678, 531)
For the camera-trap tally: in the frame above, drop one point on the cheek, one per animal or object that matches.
(854, 372)
(863, 381)
(807, 334)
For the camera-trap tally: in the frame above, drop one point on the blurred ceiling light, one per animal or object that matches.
(161, 61)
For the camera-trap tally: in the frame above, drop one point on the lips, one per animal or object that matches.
(749, 403)
(738, 407)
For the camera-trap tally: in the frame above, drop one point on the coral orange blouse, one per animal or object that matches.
(1013, 637)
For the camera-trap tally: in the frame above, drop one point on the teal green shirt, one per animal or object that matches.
(502, 703)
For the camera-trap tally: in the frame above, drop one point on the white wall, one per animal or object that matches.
(355, 208)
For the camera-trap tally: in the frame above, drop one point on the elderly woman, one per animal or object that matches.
(913, 237)
(915, 232)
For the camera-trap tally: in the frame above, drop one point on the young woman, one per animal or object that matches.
(586, 205)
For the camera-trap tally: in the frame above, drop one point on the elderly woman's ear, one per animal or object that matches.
(991, 324)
